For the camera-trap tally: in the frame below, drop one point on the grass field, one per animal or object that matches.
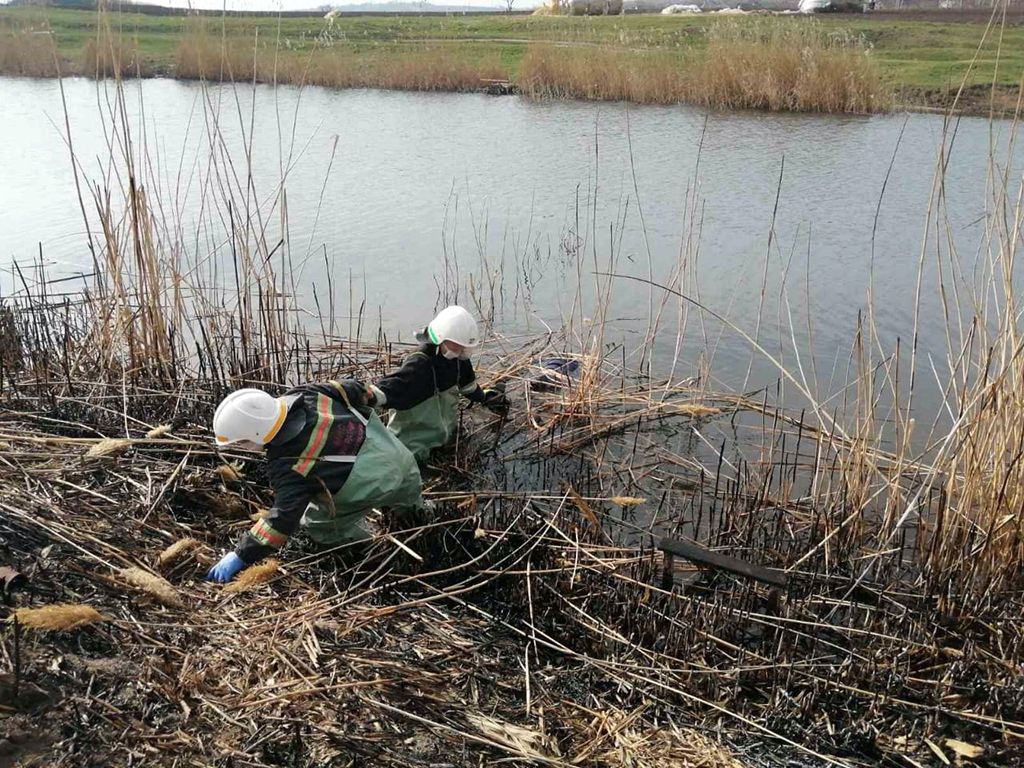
(917, 62)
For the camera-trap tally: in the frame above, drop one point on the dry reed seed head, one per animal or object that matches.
(261, 514)
(153, 585)
(160, 431)
(176, 551)
(230, 473)
(254, 576)
(627, 501)
(697, 410)
(584, 507)
(108, 446)
(58, 618)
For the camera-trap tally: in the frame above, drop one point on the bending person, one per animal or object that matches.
(330, 461)
(424, 392)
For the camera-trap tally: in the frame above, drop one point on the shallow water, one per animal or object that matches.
(420, 186)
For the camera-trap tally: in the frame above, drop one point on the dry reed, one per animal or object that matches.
(108, 446)
(230, 473)
(176, 551)
(201, 55)
(153, 585)
(57, 618)
(627, 501)
(796, 67)
(528, 743)
(28, 53)
(111, 56)
(254, 576)
(771, 66)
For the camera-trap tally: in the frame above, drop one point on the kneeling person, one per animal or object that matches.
(424, 392)
(330, 460)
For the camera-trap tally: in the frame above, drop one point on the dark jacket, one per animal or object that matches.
(319, 424)
(423, 374)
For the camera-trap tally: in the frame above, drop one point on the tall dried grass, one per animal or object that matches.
(27, 54)
(603, 74)
(785, 66)
(203, 56)
(749, 65)
(430, 68)
(108, 55)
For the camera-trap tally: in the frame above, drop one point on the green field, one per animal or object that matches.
(918, 61)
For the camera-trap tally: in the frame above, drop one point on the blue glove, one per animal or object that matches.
(226, 569)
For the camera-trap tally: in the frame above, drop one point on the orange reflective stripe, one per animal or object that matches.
(264, 534)
(272, 433)
(318, 439)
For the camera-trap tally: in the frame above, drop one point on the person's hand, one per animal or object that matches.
(495, 400)
(226, 569)
(358, 394)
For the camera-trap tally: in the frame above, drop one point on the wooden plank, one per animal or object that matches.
(712, 559)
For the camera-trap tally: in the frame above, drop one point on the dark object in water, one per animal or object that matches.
(498, 87)
(557, 374)
(703, 556)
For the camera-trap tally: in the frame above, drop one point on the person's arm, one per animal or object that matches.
(292, 494)
(492, 398)
(468, 385)
(407, 387)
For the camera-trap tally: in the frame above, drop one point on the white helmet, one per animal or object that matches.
(454, 324)
(248, 414)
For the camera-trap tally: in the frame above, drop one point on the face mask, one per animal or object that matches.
(449, 355)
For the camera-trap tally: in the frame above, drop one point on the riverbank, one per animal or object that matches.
(840, 64)
(531, 619)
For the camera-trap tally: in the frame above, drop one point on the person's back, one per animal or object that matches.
(329, 460)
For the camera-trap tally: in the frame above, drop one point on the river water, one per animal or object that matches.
(393, 190)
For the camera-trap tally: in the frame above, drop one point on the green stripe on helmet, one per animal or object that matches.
(434, 338)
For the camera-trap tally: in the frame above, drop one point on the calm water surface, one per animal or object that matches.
(392, 190)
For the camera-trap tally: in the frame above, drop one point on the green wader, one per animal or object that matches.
(428, 425)
(384, 474)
